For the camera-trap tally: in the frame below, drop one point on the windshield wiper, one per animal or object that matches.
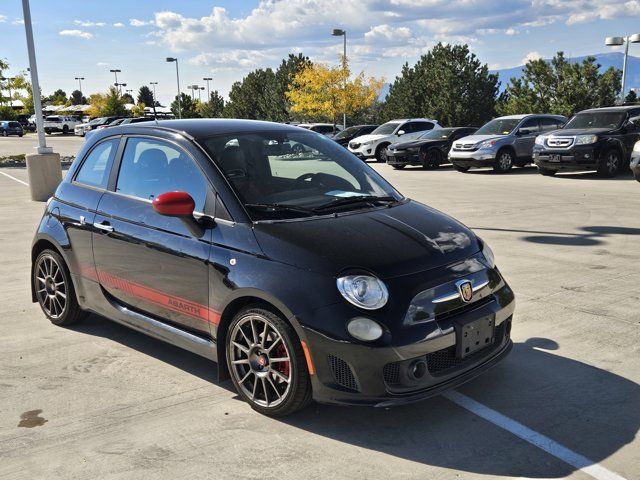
(341, 201)
(280, 207)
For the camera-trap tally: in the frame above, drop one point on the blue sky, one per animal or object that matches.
(227, 39)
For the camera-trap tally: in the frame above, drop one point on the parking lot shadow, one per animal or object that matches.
(589, 236)
(588, 410)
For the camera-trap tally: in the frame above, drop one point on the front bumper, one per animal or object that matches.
(635, 165)
(363, 151)
(351, 373)
(403, 157)
(483, 157)
(574, 159)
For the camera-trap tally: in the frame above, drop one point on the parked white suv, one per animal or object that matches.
(374, 145)
(323, 128)
(60, 123)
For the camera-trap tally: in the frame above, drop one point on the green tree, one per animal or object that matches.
(127, 98)
(213, 108)
(113, 104)
(145, 95)
(187, 105)
(448, 83)
(7, 113)
(632, 97)
(138, 110)
(285, 74)
(4, 65)
(77, 98)
(561, 87)
(59, 97)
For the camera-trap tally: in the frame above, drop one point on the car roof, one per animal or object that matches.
(395, 120)
(207, 127)
(618, 108)
(525, 115)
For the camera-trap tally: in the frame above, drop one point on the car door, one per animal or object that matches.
(632, 132)
(149, 262)
(81, 197)
(526, 137)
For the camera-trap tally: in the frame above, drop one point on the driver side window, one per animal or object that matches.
(529, 127)
(151, 167)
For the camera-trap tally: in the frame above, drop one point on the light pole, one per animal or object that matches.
(337, 32)
(116, 71)
(154, 92)
(172, 59)
(199, 92)
(43, 167)
(616, 42)
(80, 84)
(119, 87)
(208, 79)
(9, 80)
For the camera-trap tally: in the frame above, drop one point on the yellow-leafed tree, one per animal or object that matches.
(319, 91)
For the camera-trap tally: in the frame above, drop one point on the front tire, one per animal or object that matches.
(5, 134)
(504, 161)
(547, 172)
(65, 130)
(398, 167)
(54, 289)
(431, 158)
(460, 168)
(267, 363)
(610, 164)
(381, 153)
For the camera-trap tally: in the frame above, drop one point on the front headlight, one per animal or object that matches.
(363, 291)
(636, 147)
(540, 139)
(487, 253)
(586, 139)
(367, 142)
(487, 143)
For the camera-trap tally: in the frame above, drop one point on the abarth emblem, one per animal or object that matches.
(465, 289)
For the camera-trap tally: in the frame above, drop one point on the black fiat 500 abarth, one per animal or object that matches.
(276, 253)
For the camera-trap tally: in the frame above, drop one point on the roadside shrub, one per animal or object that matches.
(7, 113)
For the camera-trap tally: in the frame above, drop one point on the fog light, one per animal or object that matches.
(364, 329)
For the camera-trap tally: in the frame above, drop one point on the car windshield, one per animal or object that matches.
(284, 175)
(96, 121)
(499, 126)
(347, 132)
(437, 134)
(386, 129)
(596, 120)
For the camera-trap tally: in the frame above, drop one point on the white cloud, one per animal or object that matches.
(530, 57)
(85, 23)
(76, 33)
(3, 18)
(102, 64)
(511, 31)
(118, 24)
(134, 22)
(17, 21)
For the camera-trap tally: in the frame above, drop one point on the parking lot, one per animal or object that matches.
(65, 145)
(101, 401)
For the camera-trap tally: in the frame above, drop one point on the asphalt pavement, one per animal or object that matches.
(101, 401)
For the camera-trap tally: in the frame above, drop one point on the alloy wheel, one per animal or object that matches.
(260, 361)
(612, 162)
(505, 161)
(51, 288)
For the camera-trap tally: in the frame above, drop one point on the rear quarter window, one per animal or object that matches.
(97, 165)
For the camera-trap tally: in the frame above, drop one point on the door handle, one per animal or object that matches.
(104, 226)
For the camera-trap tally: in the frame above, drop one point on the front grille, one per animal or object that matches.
(342, 373)
(443, 361)
(465, 146)
(559, 142)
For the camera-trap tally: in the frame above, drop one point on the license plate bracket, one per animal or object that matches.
(556, 157)
(474, 336)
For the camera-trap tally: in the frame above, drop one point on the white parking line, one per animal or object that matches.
(561, 452)
(14, 178)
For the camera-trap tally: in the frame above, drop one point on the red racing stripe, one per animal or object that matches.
(163, 299)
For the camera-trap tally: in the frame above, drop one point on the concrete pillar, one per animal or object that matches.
(45, 174)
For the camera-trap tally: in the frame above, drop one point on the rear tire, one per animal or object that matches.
(610, 163)
(381, 153)
(65, 130)
(504, 161)
(460, 168)
(54, 289)
(547, 172)
(256, 338)
(5, 134)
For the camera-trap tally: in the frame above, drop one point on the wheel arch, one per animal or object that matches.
(45, 242)
(511, 149)
(242, 299)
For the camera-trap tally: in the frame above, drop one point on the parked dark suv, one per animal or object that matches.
(599, 139)
(10, 128)
(218, 237)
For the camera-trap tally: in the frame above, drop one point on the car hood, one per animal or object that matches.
(369, 137)
(389, 242)
(417, 143)
(479, 138)
(579, 131)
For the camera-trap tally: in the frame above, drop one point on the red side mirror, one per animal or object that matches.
(174, 204)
